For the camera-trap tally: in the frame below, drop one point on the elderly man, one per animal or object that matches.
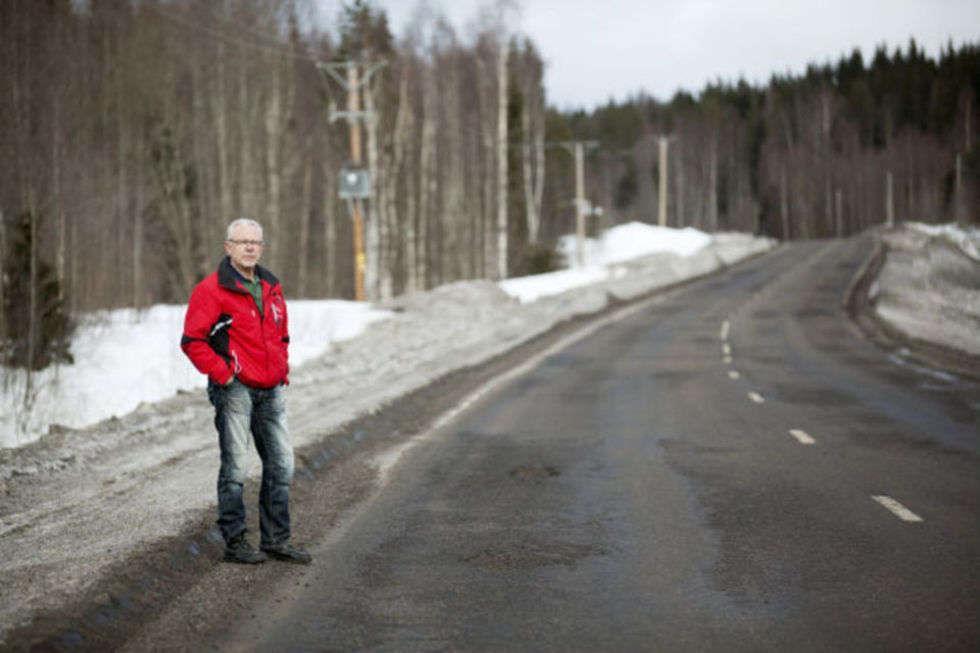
(236, 332)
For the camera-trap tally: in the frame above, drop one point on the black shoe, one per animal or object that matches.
(239, 550)
(288, 553)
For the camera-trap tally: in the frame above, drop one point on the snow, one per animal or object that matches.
(124, 358)
(929, 285)
(625, 242)
(967, 240)
(532, 288)
(128, 358)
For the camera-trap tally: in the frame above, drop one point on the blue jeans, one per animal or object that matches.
(239, 411)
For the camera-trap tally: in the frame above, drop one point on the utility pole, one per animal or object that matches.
(577, 149)
(355, 182)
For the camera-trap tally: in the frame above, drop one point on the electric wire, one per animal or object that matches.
(279, 50)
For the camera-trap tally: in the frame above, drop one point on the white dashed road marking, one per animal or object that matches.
(727, 359)
(724, 330)
(802, 436)
(732, 374)
(756, 397)
(897, 509)
(727, 349)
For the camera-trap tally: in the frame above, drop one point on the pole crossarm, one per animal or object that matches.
(350, 115)
(338, 71)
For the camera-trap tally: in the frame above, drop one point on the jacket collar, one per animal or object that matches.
(228, 276)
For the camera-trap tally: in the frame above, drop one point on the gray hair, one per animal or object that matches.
(241, 222)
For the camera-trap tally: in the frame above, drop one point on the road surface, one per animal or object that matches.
(730, 467)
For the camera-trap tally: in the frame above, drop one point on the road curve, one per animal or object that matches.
(730, 468)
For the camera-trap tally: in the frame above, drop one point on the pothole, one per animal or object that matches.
(534, 472)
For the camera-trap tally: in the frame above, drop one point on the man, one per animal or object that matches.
(236, 332)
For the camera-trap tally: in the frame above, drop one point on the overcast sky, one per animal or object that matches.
(597, 49)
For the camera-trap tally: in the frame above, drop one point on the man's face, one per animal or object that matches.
(245, 246)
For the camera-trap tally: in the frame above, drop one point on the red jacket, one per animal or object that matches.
(224, 335)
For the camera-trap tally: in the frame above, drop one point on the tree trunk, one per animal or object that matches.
(828, 203)
(531, 184)
(306, 202)
(713, 183)
(403, 122)
(3, 301)
(32, 318)
(330, 236)
(679, 205)
(784, 203)
(57, 197)
(246, 195)
(375, 216)
(502, 82)
(273, 119)
(427, 181)
(138, 294)
(839, 210)
(485, 85)
(454, 221)
(222, 136)
(121, 198)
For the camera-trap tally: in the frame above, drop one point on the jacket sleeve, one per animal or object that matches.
(203, 311)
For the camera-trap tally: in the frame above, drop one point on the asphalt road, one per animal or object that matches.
(726, 469)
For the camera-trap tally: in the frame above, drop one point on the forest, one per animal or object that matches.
(132, 132)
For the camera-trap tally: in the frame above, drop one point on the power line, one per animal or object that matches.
(230, 39)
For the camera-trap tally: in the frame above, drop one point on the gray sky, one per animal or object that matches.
(597, 49)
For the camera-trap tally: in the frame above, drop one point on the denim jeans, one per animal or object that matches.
(239, 411)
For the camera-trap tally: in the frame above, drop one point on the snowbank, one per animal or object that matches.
(631, 242)
(929, 286)
(128, 358)
(125, 358)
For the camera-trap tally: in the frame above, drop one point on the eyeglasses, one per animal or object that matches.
(246, 243)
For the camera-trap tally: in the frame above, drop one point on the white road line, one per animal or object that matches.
(896, 508)
(727, 349)
(802, 436)
(733, 374)
(724, 330)
(727, 359)
(756, 397)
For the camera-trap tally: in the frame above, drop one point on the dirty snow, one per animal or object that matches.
(66, 495)
(929, 285)
(631, 241)
(127, 357)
